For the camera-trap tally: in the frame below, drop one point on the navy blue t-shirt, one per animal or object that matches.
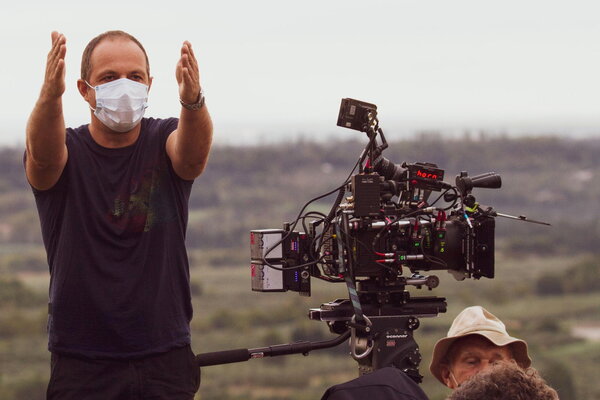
(114, 230)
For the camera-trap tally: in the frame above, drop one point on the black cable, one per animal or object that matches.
(433, 259)
(339, 188)
(327, 221)
(370, 250)
(309, 215)
(453, 204)
(293, 226)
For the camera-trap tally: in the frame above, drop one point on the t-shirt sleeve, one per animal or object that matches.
(166, 127)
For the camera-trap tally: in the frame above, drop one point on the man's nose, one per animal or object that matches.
(483, 365)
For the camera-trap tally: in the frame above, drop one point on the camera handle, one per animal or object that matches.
(355, 343)
(239, 355)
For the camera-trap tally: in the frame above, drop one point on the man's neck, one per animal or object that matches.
(111, 139)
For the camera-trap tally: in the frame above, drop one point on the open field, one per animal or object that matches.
(229, 315)
(547, 285)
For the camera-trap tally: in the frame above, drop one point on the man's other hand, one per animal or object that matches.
(54, 81)
(188, 75)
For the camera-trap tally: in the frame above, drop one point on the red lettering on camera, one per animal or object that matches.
(427, 175)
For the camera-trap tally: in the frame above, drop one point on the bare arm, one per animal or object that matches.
(45, 142)
(188, 146)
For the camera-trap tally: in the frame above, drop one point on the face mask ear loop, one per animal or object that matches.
(454, 379)
(92, 87)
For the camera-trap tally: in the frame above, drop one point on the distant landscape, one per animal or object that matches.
(547, 285)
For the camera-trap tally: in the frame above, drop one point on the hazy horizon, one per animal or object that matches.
(269, 133)
(273, 70)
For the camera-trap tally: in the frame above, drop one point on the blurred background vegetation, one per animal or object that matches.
(547, 286)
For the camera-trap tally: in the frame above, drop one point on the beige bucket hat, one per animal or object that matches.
(477, 320)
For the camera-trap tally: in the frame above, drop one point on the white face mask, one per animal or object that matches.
(120, 104)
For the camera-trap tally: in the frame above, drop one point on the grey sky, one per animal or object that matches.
(274, 69)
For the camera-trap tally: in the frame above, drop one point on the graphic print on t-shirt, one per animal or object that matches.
(139, 206)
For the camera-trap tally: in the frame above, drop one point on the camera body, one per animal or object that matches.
(385, 229)
(386, 240)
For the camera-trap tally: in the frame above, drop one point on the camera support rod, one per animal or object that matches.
(519, 218)
(239, 355)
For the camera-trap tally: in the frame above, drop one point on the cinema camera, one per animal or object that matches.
(378, 240)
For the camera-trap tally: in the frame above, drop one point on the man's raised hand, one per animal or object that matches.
(54, 81)
(188, 75)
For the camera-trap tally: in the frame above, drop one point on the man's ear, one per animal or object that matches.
(82, 87)
(445, 372)
(88, 93)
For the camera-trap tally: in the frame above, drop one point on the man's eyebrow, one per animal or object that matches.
(110, 71)
(477, 353)
(469, 353)
(106, 71)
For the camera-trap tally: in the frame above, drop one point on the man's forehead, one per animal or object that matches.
(115, 48)
(111, 52)
(117, 40)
